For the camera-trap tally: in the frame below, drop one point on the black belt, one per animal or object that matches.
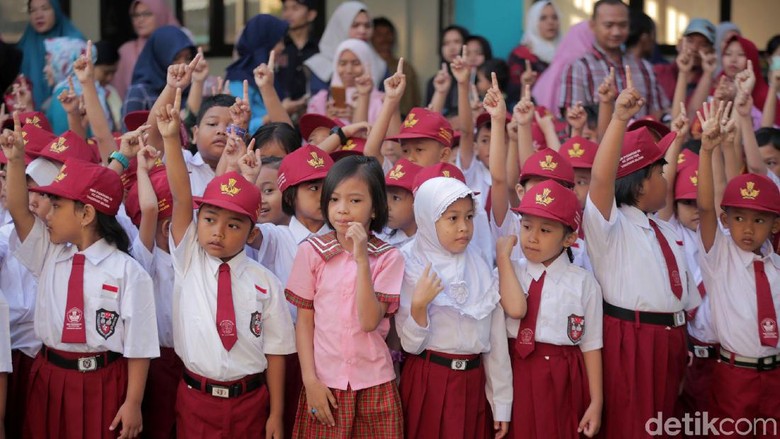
(90, 362)
(461, 364)
(653, 318)
(213, 388)
(763, 364)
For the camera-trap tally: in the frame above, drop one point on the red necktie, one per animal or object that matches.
(526, 335)
(73, 328)
(767, 318)
(671, 262)
(226, 314)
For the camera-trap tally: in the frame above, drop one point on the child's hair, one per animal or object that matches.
(220, 100)
(487, 51)
(693, 145)
(369, 169)
(772, 44)
(271, 162)
(279, 132)
(464, 33)
(566, 232)
(768, 136)
(627, 188)
(108, 228)
(501, 69)
(106, 53)
(593, 115)
(385, 22)
(639, 24)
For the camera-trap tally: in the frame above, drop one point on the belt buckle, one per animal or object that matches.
(87, 364)
(766, 364)
(220, 391)
(679, 318)
(701, 352)
(459, 364)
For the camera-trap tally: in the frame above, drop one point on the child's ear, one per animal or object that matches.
(166, 228)
(724, 219)
(570, 239)
(253, 234)
(776, 225)
(519, 190)
(195, 135)
(444, 155)
(88, 215)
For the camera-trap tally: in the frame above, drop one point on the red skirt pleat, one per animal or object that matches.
(18, 386)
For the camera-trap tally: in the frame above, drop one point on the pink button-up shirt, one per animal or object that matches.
(323, 278)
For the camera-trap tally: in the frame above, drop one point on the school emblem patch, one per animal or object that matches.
(575, 327)
(768, 328)
(105, 322)
(526, 336)
(256, 324)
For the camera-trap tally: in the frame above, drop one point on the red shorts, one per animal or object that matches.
(159, 407)
(740, 393)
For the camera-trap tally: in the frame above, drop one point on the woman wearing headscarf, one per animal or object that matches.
(349, 20)
(539, 43)
(723, 33)
(167, 45)
(46, 21)
(344, 75)
(574, 45)
(146, 16)
(260, 36)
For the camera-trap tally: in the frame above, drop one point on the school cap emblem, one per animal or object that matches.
(256, 324)
(229, 188)
(576, 151)
(61, 175)
(548, 164)
(349, 146)
(575, 327)
(695, 178)
(411, 120)
(749, 192)
(59, 146)
(105, 322)
(680, 158)
(445, 173)
(446, 135)
(35, 120)
(544, 199)
(397, 173)
(315, 161)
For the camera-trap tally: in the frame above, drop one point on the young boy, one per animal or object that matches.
(210, 137)
(231, 326)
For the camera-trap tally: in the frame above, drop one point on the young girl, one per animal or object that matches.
(267, 181)
(345, 284)
(450, 323)
(645, 298)
(102, 317)
(556, 344)
(400, 203)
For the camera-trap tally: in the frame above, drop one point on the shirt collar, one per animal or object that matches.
(300, 233)
(237, 263)
(602, 54)
(768, 256)
(197, 160)
(635, 216)
(95, 253)
(555, 271)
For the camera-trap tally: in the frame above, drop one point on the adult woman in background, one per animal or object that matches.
(541, 36)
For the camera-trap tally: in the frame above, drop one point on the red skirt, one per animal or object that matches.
(739, 393)
(68, 404)
(372, 413)
(551, 392)
(697, 386)
(443, 403)
(159, 406)
(293, 383)
(18, 383)
(202, 416)
(644, 366)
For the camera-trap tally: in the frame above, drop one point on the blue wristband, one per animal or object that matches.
(121, 158)
(237, 130)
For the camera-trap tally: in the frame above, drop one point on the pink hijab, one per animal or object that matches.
(128, 52)
(573, 46)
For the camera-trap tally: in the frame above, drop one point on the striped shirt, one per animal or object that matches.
(580, 81)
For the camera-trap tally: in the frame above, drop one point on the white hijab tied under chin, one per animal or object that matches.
(466, 277)
(543, 49)
(337, 30)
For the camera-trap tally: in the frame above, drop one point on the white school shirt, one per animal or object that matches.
(570, 297)
(450, 332)
(628, 262)
(478, 178)
(20, 287)
(397, 239)
(280, 243)
(700, 327)
(119, 311)
(200, 172)
(6, 363)
(159, 265)
(257, 296)
(126, 223)
(580, 253)
(731, 286)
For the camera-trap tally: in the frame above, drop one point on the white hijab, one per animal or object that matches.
(543, 49)
(466, 277)
(337, 30)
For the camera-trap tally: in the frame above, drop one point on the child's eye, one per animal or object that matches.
(355, 200)
(759, 221)
(268, 191)
(233, 226)
(333, 199)
(738, 218)
(545, 230)
(396, 198)
(314, 188)
(526, 227)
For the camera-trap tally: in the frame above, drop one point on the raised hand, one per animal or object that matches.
(524, 111)
(356, 233)
(201, 70)
(264, 73)
(83, 67)
(576, 117)
(180, 75)
(684, 60)
(12, 142)
(249, 164)
(147, 156)
(23, 100)
(529, 75)
(728, 123)
(460, 68)
(363, 83)
(240, 111)
(442, 81)
(681, 123)
(130, 142)
(710, 118)
(494, 101)
(68, 98)
(743, 103)
(168, 118)
(709, 62)
(630, 101)
(504, 246)
(726, 90)
(746, 79)
(396, 84)
(354, 129)
(608, 88)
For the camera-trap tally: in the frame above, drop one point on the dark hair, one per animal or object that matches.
(271, 162)
(768, 136)
(499, 67)
(772, 44)
(693, 145)
(220, 100)
(598, 4)
(279, 132)
(593, 115)
(384, 21)
(369, 169)
(290, 195)
(566, 232)
(487, 51)
(627, 188)
(639, 24)
(106, 53)
(108, 228)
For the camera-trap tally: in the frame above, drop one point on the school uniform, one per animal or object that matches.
(119, 320)
(552, 390)
(356, 365)
(395, 237)
(200, 172)
(159, 406)
(477, 178)
(208, 402)
(6, 365)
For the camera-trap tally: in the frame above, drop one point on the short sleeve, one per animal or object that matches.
(387, 278)
(302, 282)
(278, 330)
(592, 338)
(597, 228)
(139, 315)
(35, 249)
(140, 253)
(710, 261)
(183, 253)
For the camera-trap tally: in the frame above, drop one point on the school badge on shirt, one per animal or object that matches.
(575, 327)
(769, 328)
(105, 322)
(256, 324)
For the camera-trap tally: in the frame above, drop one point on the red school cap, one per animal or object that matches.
(438, 170)
(686, 184)
(657, 128)
(484, 119)
(687, 158)
(69, 145)
(354, 146)
(34, 118)
(580, 151)
(306, 163)
(640, 150)
(422, 123)
(311, 121)
(548, 164)
(135, 119)
(231, 191)
(752, 191)
(402, 175)
(88, 183)
(550, 200)
(162, 191)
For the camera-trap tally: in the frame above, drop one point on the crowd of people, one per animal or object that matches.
(578, 241)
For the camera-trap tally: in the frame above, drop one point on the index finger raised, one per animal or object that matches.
(177, 100)
(400, 68)
(246, 90)
(629, 80)
(271, 61)
(196, 59)
(494, 80)
(528, 65)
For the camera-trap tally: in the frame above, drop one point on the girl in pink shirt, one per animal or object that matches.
(346, 284)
